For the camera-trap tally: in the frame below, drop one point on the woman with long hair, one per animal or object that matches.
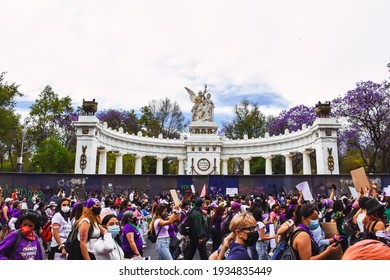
(88, 229)
(108, 246)
(374, 219)
(61, 226)
(160, 224)
(263, 241)
(243, 233)
(303, 243)
(77, 212)
(132, 244)
(216, 221)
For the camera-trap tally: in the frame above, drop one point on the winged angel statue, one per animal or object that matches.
(203, 109)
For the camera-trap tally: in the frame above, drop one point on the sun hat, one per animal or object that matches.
(373, 205)
(52, 203)
(8, 199)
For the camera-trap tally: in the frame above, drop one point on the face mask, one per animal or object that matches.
(65, 209)
(252, 238)
(96, 211)
(314, 224)
(27, 232)
(114, 230)
(165, 215)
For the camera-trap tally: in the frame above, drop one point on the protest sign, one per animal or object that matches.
(175, 198)
(304, 188)
(360, 180)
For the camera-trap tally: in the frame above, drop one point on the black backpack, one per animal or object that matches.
(226, 223)
(285, 251)
(184, 226)
(72, 244)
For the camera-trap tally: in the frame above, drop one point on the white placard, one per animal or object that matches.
(192, 188)
(353, 192)
(175, 198)
(304, 188)
(387, 191)
(272, 242)
(231, 191)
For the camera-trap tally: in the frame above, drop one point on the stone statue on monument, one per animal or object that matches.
(203, 108)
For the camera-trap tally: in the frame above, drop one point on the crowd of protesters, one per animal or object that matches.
(239, 227)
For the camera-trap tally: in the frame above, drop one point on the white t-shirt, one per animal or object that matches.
(359, 220)
(261, 225)
(94, 237)
(64, 228)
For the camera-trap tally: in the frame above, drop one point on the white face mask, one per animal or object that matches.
(65, 209)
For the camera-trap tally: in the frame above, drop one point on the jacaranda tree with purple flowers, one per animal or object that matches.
(292, 119)
(364, 115)
(120, 118)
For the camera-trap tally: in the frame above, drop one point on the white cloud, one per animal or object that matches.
(125, 53)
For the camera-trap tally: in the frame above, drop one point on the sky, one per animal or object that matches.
(125, 53)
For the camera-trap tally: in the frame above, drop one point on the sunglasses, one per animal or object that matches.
(250, 229)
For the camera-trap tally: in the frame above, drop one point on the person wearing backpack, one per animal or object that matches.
(89, 219)
(160, 225)
(61, 227)
(374, 220)
(198, 233)
(339, 217)
(243, 234)
(23, 244)
(302, 241)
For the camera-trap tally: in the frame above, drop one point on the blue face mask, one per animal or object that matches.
(114, 230)
(314, 224)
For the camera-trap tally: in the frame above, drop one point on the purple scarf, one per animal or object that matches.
(308, 231)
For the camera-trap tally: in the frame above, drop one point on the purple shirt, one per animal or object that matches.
(9, 214)
(25, 250)
(137, 239)
(238, 252)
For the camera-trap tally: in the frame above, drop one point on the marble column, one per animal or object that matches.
(138, 164)
(268, 165)
(306, 162)
(225, 165)
(102, 161)
(118, 163)
(181, 170)
(159, 165)
(247, 166)
(289, 165)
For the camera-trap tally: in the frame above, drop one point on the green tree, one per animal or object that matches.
(52, 156)
(250, 121)
(52, 116)
(9, 122)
